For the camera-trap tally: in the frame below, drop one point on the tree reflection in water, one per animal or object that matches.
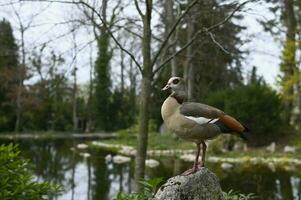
(95, 178)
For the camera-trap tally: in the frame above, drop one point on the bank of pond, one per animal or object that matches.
(99, 173)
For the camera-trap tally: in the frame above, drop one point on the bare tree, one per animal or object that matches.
(74, 92)
(23, 27)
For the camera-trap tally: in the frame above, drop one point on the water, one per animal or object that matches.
(97, 178)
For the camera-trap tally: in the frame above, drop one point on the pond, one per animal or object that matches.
(90, 175)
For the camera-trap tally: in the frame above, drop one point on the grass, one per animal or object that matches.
(168, 141)
(156, 141)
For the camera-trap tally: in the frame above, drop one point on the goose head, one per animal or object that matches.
(177, 86)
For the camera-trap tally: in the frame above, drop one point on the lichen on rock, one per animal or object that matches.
(202, 185)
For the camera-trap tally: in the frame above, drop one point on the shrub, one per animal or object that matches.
(256, 105)
(16, 181)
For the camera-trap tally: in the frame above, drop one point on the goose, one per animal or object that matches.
(196, 122)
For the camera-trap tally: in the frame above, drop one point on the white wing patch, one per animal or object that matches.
(202, 120)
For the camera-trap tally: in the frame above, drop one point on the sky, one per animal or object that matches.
(50, 18)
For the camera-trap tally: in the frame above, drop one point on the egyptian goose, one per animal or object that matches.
(195, 122)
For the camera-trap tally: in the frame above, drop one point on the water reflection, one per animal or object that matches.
(97, 178)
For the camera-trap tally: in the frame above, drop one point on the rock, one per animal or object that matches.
(202, 185)
(272, 147)
(85, 155)
(289, 149)
(151, 163)
(128, 150)
(108, 158)
(82, 146)
(226, 166)
(187, 157)
(121, 159)
(272, 166)
(238, 146)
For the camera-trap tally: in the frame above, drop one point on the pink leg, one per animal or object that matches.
(196, 164)
(204, 148)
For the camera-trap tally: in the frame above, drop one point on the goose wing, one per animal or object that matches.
(200, 113)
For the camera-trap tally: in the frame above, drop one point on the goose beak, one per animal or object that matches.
(165, 88)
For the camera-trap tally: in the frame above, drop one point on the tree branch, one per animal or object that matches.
(217, 43)
(138, 9)
(172, 31)
(200, 32)
(103, 22)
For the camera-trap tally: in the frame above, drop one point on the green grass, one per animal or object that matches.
(168, 141)
(156, 141)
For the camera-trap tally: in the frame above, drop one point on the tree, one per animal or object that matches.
(214, 61)
(290, 79)
(9, 66)
(255, 104)
(287, 20)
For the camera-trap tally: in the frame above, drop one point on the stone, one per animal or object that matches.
(272, 147)
(238, 146)
(82, 146)
(118, 159)
(289, 149)
(187, 157)
(202, 185)
(108, 158)
(151, 163)
(85, 155)
(226, 166)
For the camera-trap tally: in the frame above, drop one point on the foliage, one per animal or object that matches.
(123, 109)
(48, 102)
(231, 195)
(256, 105)
(103, 83)
(8, 81)
(16, 181)
(216, 68)
(149, 189)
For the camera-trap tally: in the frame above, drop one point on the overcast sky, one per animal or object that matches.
(264, 51)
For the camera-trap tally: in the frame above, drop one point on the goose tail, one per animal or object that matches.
(228, 124)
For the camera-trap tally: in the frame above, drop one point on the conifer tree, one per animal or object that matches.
(8, 80)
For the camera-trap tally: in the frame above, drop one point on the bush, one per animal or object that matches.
(16, 181)
(256, 105)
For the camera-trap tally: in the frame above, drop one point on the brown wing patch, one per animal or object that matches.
(232, 123)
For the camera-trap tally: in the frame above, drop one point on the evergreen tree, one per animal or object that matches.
(8, 79)
(216, 67)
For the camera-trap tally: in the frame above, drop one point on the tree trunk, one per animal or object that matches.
(169, 14)
(289, 60)
(189, 72)
(145, 96)
(122, 72)
(74, 92)
(74, 97)
(21, 82)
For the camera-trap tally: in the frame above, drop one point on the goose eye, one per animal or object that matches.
(175, 81)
